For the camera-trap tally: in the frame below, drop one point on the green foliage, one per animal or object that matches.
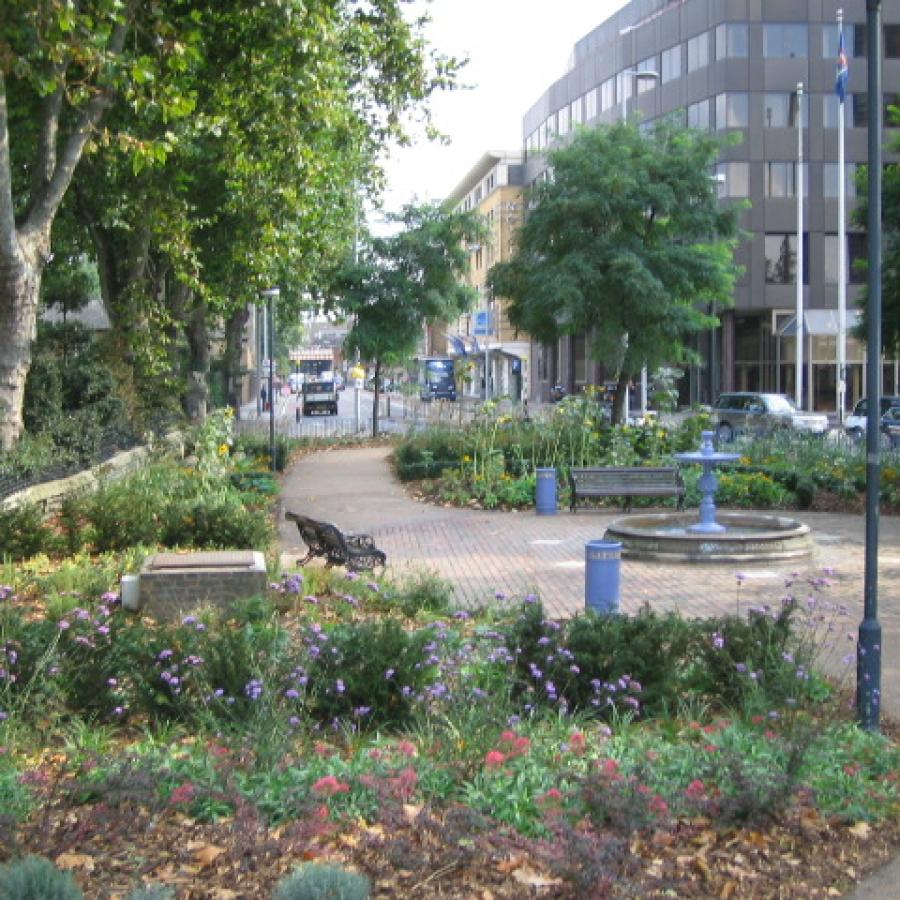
(151, 892)
(631, 241)
(374, 666)
(320, 881)
(420, 592)
(36, 878)
(23, 532)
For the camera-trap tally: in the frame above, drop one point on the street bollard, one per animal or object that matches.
(602, 564)
(545, 492)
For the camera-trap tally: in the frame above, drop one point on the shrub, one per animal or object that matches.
(36, 878)
(318, 881)
(152, 892)
(23, 533)
(423, 592)
(372, 666)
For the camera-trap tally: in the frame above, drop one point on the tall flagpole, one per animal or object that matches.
(798, 375)
(841, 88)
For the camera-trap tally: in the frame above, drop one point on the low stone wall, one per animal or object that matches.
(49, 495)
(172, 584)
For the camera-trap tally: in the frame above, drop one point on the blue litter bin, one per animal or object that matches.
(545, 492)
(602, 564)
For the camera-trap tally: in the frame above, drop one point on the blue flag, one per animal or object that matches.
(843, 72)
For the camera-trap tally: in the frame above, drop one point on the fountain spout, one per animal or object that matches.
(708, 457)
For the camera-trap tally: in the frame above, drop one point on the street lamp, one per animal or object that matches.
(637, 75)
(271, 295)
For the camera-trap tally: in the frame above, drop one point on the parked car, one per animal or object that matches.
(890, 427)
(855, 423)
(749, 412)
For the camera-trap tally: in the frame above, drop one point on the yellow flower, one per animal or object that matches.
(223, 449)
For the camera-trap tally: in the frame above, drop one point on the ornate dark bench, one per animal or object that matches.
(355, 551)
(627, 482)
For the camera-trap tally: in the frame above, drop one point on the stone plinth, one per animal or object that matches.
(172, 584)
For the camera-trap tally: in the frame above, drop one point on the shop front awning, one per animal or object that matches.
(818, 323)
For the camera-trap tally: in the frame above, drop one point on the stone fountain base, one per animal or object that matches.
(747, 538)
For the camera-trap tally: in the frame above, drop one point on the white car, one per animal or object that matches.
(739, 412)
(855, 423)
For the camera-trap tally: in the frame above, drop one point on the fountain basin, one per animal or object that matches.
(747, 538)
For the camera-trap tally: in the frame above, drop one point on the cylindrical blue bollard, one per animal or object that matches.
(545, 492)
(602, 563)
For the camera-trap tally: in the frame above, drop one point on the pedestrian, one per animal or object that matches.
(264, 397)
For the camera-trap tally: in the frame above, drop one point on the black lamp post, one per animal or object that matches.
(868, 659)
(271, 295)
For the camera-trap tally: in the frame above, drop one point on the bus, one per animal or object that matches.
(437, 378)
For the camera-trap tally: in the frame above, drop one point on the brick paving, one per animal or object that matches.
(483, 553)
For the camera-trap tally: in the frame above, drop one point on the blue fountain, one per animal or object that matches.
(709, 458)
(729, 537)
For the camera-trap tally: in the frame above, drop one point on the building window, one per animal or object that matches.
(531, 143)
(646, 84)
(860, 41)
(607, 94)
(856, 250)
(781, 258)
(734, 179)
(861, 110)
(624, 84)
(562, 118)
(576, 111)
(550, 130)
(698, 115)
(698, 52)
(830, 183)
(732, 41)
(784, 41)
(731, 111)
(671, 64)
(781, 179)
(780, 110)
(831, 111)
(891, 41)
(590, 105)
(830, 40)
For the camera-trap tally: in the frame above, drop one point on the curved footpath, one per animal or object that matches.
(489, 554)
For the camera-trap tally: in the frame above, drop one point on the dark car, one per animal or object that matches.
(890, 427)
(855, 423)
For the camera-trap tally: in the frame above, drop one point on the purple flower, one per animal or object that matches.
(189, 620)
(110, 597)
(112, 682)
(741, 667)
(291, 694)
(165, 654)
(718, 641)
(339, 686)
(5, 591)
(253, 689)
(389, 674)
(62, 625)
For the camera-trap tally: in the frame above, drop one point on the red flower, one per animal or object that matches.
(407, 748)
(508, 736)
(658, 805)
(610, 768)
(695, 790)
(494, 759)
(578, 742)
(184, 793)
(553, 796)
(329, 786)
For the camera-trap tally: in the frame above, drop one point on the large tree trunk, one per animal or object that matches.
(20, 285)
(197, 393)
(234, 343)
(619, 413)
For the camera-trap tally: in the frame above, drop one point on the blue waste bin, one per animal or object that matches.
(602, 564)
(545, 492)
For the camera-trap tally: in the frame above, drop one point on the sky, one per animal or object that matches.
(516, 49)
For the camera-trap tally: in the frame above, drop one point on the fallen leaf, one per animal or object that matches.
(70, 861)
(223, 894)
(208, 854)
(528, 876)
(728, 890)
(411, 811)
(860, 830)
(510, 865)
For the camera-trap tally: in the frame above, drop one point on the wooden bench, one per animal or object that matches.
(627, 482)
(355, 551)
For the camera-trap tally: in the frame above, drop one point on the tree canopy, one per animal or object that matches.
(229, 144)
(627, 243)
(396, 284)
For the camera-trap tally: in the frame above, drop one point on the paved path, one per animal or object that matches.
(483, 553)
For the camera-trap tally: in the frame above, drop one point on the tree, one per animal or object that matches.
(400, 282)
(890, 251)
(291, 103)
(626, 243)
